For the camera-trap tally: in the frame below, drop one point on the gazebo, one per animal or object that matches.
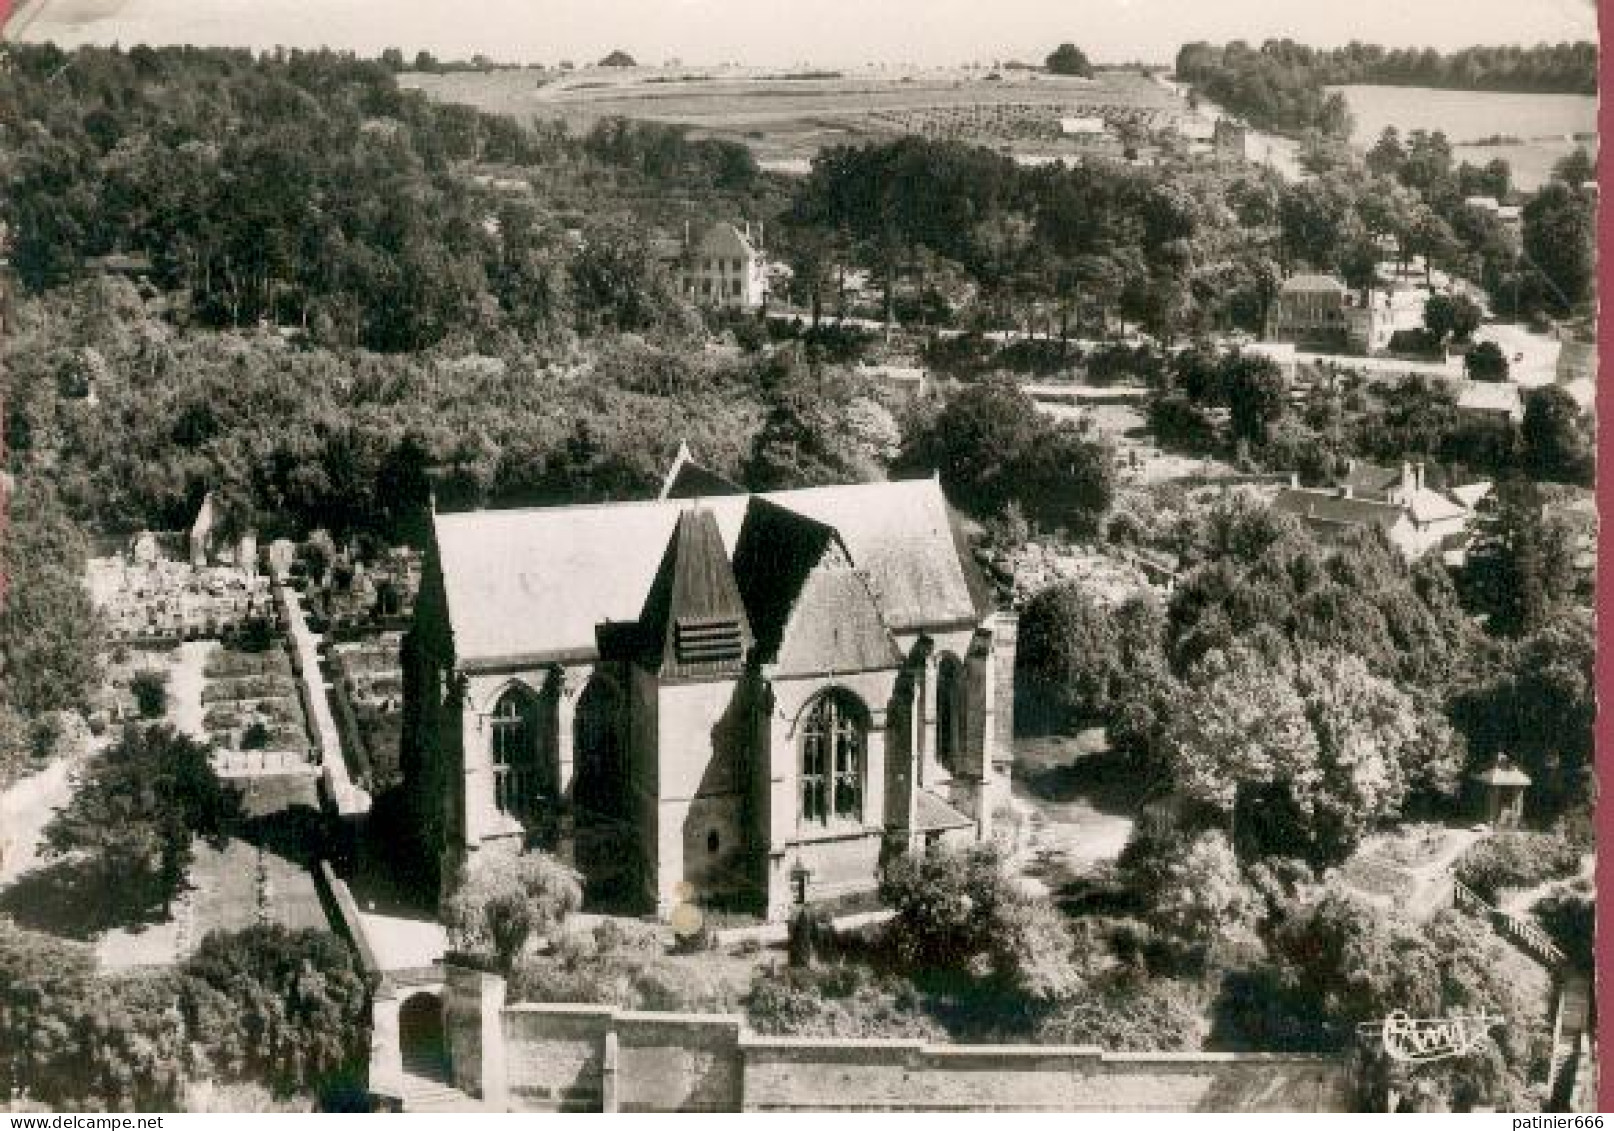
(1500, 790)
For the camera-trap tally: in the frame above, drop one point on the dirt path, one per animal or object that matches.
(1075, 814)
(185, 681)
(26, 808)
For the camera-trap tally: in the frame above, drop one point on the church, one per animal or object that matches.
(715, 697)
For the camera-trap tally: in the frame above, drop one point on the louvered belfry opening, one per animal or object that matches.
(708, 640)
(694, 622)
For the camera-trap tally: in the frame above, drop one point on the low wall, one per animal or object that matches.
(791, 1074)
(589, 1057)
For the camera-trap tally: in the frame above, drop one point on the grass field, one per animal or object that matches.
(790, 119)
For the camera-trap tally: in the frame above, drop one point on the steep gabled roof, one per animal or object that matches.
(811, 608)
(693, 620)
(725, 240)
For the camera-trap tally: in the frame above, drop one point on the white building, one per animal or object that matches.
(726, 268)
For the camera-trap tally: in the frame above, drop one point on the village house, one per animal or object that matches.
(726, 268)
(711, 697)
(1309, 311)
(1416, 518)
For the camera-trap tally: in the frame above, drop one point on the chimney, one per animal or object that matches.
(1418, 477)
(1294, 481)
(1407, 482)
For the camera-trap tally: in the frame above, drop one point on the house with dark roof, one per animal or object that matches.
(714, 697)
(1414, 516)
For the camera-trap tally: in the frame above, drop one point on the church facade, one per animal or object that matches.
(714, 697)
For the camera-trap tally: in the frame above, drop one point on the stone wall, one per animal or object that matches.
(589, 1057)
(792, 1074)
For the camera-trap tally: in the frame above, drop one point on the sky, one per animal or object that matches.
(838, 33)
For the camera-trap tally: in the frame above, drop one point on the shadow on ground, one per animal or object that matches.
(1102, 778)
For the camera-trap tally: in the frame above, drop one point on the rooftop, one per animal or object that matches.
(1303, 284)
(536, 584)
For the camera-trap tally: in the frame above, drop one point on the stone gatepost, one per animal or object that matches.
(473, 1024)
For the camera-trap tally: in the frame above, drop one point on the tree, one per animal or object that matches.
(501, 898)
(1538, 708)
(1485, 361)
(1068, 59)
(1370, 741)
(1557, 439)
(286, 1008)
(150, 691)
(991, 447)
(815, 434)
(1560, 243)
(1068, 654)
(618, 58)
(1387, 156)
(1451, 316)
(1256, 395)
(1520, 567)
(50, 631)
(1240, 725)
(1345, 962)
(1575, 168)
(46, 985)
(1191, 885)
(130, 826)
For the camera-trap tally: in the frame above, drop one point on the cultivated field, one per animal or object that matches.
(788, 119)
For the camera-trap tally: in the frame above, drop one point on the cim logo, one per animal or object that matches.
(1418, 1040)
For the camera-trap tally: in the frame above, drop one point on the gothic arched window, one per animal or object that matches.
(832, 753)
(515, 752)
(949, 713)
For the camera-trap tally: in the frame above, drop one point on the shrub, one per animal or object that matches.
(959, 914)
(501, 898)
(150, 691)
(1570, 918)
(843, 1001)
(1485, 361)
(1516, 860)
(1125, 1014)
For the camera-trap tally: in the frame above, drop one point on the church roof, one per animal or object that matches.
(534, 585)
(813, 611)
